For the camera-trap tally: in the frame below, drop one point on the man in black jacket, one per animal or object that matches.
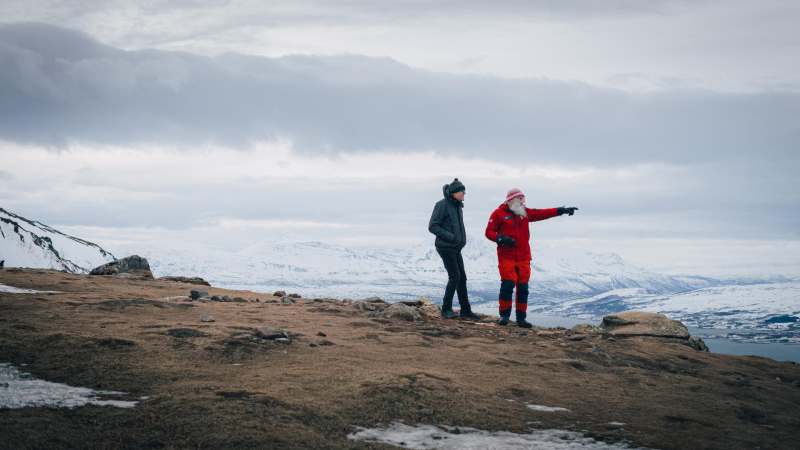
(447, 223)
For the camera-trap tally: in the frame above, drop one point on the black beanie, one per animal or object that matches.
(456, 186)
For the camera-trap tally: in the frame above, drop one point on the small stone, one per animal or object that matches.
(216, 298)
(322, 334)
(197, 293)
(326, 342)
(270, 333)
(318, 300)
(312, 345)
(279, 294)
(309, 302)
(294, 295)
(287, 300)
(283, 341)
(523, 333)
(427, 412)
(254, 301)
(225, 298)
(206, 318)
(502, 339)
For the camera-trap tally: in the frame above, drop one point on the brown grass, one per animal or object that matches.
(117, 334)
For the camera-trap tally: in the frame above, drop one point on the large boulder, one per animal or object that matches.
(636, 323)
(134, 266)
(650, 326)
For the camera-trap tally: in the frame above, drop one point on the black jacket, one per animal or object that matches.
(447, 222)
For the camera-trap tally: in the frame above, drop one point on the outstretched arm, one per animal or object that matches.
(535, 215)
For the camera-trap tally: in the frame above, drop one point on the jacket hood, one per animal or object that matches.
(447, 196)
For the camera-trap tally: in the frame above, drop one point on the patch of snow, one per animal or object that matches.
(21, 390)
(546, 408)
(431, 437)
(13, 290)
(615, 424)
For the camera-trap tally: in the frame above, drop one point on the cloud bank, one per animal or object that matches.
(59, 86)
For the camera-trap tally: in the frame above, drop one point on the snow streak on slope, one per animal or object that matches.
(26, 243)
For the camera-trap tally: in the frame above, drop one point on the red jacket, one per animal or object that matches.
(505, 222)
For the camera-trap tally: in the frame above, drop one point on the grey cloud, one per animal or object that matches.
(6, 175)
(57, 86)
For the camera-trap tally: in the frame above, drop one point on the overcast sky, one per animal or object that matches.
(674, 126)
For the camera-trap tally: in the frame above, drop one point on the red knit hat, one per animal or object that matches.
(514, 193)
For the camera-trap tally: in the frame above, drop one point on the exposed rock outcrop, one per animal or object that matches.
(370, 304)
(399, 311)
(187, 280)
(197, 293)
(587, 328)
(133, 265)
(428, 307)
(651, 326)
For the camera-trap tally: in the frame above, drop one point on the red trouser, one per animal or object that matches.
(514, 274)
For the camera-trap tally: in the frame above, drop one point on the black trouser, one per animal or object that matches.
(456, 280)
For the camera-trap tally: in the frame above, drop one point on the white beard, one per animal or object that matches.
(518, 209)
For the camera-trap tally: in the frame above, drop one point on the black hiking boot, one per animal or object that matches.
(503, 320)
(469, 315)
(448, 314)
(521, 322)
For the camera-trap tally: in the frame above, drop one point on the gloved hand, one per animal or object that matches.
(505, 241)
(562, 210)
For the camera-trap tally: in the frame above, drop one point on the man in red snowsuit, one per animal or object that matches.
(508, 227)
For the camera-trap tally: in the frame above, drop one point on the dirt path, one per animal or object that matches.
(216, 385)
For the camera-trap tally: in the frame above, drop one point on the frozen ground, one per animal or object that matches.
(20, 390)
(431, 437)
(13, 290)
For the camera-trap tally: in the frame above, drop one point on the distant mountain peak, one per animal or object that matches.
(28, 243)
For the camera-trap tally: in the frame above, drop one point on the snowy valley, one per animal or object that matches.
(565, 281)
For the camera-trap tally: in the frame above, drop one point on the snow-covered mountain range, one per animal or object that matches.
(26, 243)
(324, 269)
(565, 281)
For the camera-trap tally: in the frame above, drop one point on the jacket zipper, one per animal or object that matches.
(516, 247)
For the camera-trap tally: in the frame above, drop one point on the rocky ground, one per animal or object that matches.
(333, 365)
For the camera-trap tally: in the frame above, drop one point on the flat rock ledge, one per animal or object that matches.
(187, 280)
(645, 325)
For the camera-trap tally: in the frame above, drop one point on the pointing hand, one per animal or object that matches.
(562, 210)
